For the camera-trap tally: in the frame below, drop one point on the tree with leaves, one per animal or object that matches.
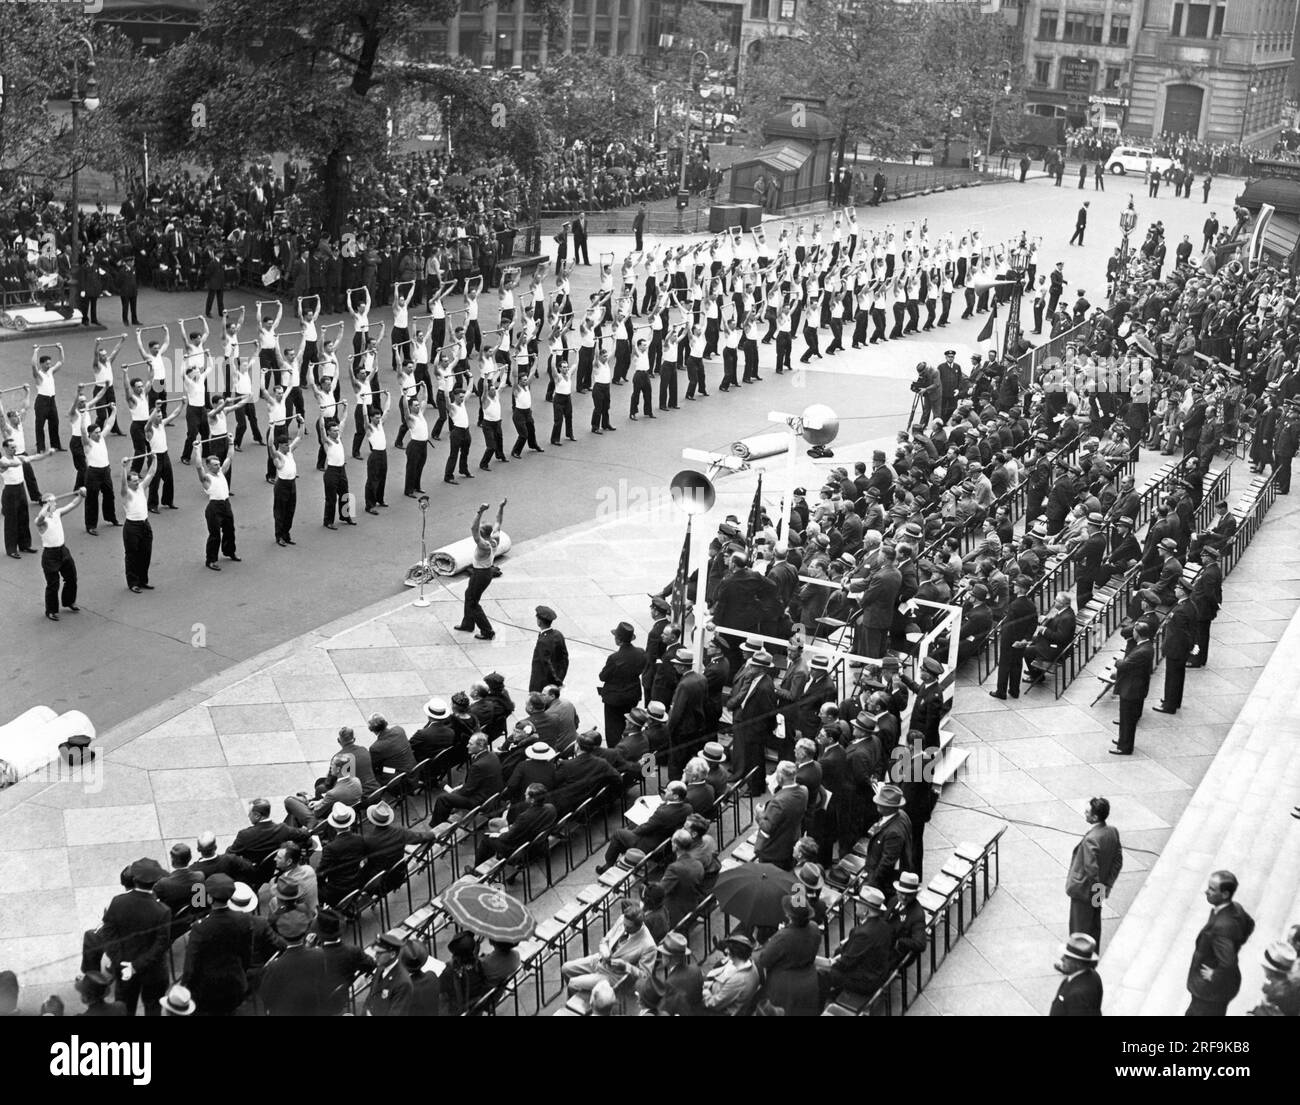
(887, 73)
(39, 49)
(320, 87)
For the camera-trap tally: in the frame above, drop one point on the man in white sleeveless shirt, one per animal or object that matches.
(56, 560)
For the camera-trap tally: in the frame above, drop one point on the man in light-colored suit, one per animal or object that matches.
(1095, 864)
(626, 950)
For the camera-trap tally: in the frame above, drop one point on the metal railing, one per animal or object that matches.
(969, 879)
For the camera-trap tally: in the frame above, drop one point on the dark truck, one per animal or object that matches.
(1035, 135)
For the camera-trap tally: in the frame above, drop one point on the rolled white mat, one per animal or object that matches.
(31, 741)
(452, 559)
(761, 446)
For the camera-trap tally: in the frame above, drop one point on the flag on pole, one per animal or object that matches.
(755, 512)
(680, 602)
(987, 332)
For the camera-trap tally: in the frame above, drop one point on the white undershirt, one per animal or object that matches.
(52, 536)
(218, 489)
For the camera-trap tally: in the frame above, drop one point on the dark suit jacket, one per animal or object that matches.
(256, 842)
(1133, 673)
(660, 825)
(342, 861)
(296, 983)
(1079, 996)
(889, 852)
(224, 863)
(391, 754)
(529, 823)
(483, 779)
(880, 598)
(683, 885)
(386, 844)
(550, 660)
(1217, 945)
(621, 676)
(217, 958)
(136, 930)
(1207, 589)
(686, 716)
(780, 825)
(580, 777)
(1180, 631)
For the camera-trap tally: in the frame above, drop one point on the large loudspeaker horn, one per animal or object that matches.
(821, 425)
(692, 492)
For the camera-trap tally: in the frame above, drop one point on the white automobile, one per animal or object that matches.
(1135, 159)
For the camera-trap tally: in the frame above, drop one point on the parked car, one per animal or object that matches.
(1134, 159)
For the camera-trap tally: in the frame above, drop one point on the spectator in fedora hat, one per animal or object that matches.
(1080, 992)
(789, 961)
(906, 919)
(178, 1002)
(861, 964)
(716, 757)
(1281, 989)
(342, 858)
(425, 1000)
(93, 988)
(675, 987)
(890, 849)
(438, 734)
(753, 707)
(386, 842)
(621, 680)
(536, 766)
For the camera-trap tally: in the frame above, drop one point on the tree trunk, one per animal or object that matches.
(335, 191)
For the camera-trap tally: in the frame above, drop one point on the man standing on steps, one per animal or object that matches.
(1180, 638)
(1207, 594)
(1132, 681)
(1214, 977)
(481, 572)
(1080, 221)
(1095, 864)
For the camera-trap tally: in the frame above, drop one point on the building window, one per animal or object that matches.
(1047, 25)
(1198, 20)
(788, 8)
(1119, 30)
(1042, 71)
(1113, 75)
(758, 9)
(1083, 27)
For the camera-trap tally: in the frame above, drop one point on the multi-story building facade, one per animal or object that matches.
(1078, 56)
(1216, 70)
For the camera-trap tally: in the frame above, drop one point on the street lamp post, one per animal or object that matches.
(993, 111)
(88, 99)
(1017, 262)
(682, 194)
(1251, 89)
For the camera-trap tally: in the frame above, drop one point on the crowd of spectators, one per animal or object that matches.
(428, 217)
(1227, 158)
